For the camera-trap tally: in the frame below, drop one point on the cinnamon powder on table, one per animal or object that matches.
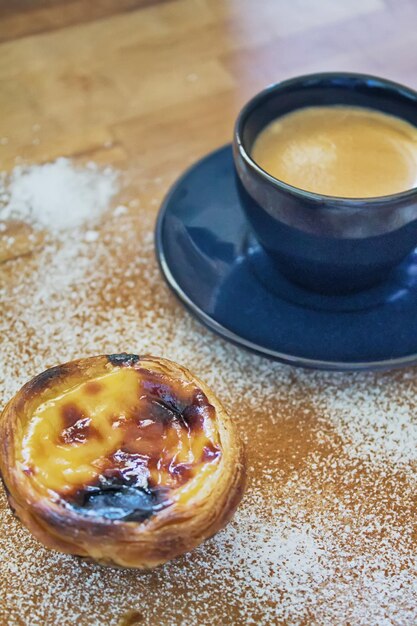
(326, 531)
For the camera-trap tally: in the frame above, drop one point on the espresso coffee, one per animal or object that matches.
(344, 151)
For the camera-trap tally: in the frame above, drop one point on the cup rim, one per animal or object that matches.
(262, 95)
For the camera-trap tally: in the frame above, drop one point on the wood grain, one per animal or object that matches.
(101, 72)
(25, 17)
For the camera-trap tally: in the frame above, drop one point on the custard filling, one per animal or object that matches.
(122, 445)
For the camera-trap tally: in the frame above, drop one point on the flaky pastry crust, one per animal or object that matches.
(176, 527)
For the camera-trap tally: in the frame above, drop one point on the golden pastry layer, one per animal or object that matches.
(126, 460)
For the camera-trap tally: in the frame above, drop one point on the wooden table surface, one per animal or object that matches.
(163, 81)
(149, 87)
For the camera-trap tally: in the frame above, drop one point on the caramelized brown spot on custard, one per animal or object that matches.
(77, 433)
(195, 412)
(71, 414)
(189, 406)
(93, 388)
(77, 426)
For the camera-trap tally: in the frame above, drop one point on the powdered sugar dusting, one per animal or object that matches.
(375, 424)
(326, 531)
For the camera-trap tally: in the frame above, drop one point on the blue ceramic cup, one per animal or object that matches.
(326, 244)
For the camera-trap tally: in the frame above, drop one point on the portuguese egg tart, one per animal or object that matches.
(125, 460)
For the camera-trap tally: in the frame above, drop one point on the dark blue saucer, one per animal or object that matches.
(212, 262)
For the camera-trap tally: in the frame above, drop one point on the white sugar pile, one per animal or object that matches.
(57, 196)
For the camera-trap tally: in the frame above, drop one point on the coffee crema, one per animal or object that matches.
(338, 150)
